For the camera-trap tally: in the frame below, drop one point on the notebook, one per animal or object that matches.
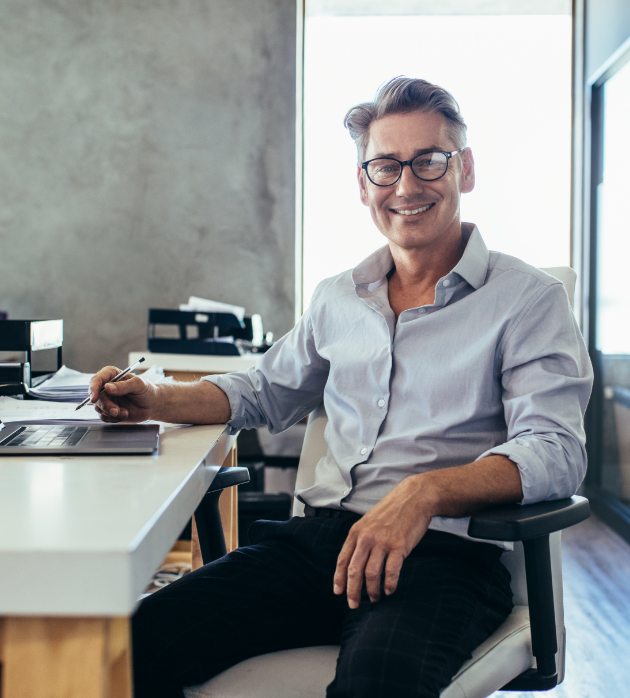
(61, 438)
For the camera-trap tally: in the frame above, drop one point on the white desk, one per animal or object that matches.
(192, 367)
(80, 537)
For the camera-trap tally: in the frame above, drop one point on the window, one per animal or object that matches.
(613, 253)
(511, 75)
(609, 413)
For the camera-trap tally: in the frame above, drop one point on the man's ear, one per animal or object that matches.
(468, 171)
(362, 185)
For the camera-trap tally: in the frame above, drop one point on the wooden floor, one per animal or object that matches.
(596, 570)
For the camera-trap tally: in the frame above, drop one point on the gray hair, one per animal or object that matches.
(401, 96)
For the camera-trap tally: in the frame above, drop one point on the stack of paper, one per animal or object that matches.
(16, 410)
(64, 386)
(207, 306)
(68, 388)
(68, 385)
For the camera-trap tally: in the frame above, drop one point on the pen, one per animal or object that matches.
(113, 380)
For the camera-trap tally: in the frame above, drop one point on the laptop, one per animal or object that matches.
(67, 438)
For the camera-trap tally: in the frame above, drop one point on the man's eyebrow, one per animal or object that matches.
(420, 151)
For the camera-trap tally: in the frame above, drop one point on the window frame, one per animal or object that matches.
(610, 508)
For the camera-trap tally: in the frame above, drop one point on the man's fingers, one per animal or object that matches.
(113, 411)
(102, 382)
(99, 380)
(341, 572)
(392, 571)
(356, 570)
(127, 384)
(106, 417)
(107, 400)
(106, 404)
(374, 574)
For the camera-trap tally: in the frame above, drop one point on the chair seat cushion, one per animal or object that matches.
(300, 673)
(502, 657)
(305, 672)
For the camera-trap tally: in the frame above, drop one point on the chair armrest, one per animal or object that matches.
(208, 515)
(532, 524)
(511, 522)
(229, 477)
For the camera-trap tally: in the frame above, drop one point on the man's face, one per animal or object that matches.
(403, 136)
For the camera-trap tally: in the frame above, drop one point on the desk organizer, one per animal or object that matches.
(31, 336)
(196, 332)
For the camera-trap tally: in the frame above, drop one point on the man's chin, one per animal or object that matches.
(411, 239)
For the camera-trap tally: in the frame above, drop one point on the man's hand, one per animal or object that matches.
(130, 399)
(133, 400)
(384, 537)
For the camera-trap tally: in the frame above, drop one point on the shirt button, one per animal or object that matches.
(346, 493)
(446, 282)
(421, 310)
(363, 451)
(381, 403)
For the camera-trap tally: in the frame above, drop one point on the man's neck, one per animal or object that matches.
(417, 271)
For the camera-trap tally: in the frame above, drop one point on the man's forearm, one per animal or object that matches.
(391, 529)
(466, 489)
(201, 402)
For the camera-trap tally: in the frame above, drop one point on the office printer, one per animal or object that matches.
(194, 332)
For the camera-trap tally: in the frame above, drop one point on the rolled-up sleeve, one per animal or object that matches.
(547, 379)
(285, 385)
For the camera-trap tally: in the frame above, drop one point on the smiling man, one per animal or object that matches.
(454, 378)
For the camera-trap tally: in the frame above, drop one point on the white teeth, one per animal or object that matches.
(413, 213)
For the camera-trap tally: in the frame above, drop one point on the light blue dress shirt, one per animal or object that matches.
(497, 365)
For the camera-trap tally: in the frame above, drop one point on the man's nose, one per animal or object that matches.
(408, 182)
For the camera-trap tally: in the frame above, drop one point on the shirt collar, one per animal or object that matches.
(472, 267)
(374, 268)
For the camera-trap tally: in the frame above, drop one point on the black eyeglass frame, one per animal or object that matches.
(408, 162)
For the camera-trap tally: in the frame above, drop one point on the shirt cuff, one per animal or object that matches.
(234, 398)
(534, 475)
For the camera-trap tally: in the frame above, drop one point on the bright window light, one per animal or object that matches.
(511, 75)
(613, 328)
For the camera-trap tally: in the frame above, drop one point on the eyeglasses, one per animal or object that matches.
(428, 166)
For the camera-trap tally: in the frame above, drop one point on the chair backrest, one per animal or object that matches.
(568, 278)
(313, 450)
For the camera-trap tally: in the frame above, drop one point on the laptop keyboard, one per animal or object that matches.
(46, 437)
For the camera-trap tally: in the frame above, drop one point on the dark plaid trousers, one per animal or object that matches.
(277, 594)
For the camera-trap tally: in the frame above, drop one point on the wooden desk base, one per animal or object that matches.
(83, 657)
(228, 502)
(64, 657)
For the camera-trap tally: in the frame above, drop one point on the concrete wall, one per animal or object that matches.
(607, 27)
(146, 154)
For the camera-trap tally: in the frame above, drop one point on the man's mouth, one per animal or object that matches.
(412, 211)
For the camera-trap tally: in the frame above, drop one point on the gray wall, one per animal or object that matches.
(146, 154)
(607, 27)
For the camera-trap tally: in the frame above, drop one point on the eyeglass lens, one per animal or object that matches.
(427, 166)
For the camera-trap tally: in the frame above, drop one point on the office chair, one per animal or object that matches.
(525, 654)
